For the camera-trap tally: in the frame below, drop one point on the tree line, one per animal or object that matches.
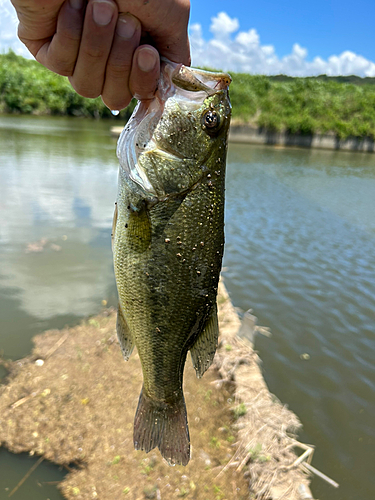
(344, 106)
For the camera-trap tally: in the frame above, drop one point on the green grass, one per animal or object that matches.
(344, 106)
(29, 88)
(305, 105)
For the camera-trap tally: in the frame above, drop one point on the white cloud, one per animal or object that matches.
(8, 30)
(242, 52)
(245, 53)
(222, 25)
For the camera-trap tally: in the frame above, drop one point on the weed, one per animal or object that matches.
(240, 410)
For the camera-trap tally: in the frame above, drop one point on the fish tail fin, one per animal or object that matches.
(162, 425)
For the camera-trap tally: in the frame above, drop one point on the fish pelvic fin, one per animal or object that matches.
(162, 425)
(204, 348)
(123, 334)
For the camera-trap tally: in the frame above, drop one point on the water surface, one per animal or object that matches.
(300, 251)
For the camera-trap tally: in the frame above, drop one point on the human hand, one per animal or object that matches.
(97, 43)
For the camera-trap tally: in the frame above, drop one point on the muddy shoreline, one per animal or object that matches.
(72, 401)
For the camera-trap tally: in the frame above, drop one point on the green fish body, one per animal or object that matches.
(168, 240)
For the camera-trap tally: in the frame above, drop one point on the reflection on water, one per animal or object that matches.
(57, 190)
(41, 483)
(300, 247)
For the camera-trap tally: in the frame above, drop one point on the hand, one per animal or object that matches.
(97, 43)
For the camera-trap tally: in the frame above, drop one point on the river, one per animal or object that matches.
(300, 251)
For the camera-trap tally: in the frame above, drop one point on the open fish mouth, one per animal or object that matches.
(190, 87)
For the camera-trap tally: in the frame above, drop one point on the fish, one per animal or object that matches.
(168, 241)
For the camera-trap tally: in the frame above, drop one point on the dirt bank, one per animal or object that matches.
(73, 401)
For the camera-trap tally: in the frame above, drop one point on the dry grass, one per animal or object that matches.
(77, 405)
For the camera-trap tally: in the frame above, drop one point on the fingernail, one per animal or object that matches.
(126, 26)
(102, 12)
(146, 59)
(76, 4)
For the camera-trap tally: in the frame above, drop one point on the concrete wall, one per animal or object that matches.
(253, 135)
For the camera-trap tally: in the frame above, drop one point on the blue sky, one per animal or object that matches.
(323, 27)
(268, 36)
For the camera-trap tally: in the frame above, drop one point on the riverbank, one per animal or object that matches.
(248, 134)
(72, 401)
(306, 106)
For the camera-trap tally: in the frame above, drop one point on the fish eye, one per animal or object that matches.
(210, 120)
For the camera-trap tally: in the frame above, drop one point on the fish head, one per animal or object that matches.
(169, 141)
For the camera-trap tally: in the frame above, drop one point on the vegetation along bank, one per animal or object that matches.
(343, 107)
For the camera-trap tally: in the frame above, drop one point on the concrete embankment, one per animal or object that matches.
(73, 399)
(247, 134)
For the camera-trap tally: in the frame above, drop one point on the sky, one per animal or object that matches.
(296, 38)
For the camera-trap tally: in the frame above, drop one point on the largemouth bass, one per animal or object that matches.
(168, 239)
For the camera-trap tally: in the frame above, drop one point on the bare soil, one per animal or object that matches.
(73, 400)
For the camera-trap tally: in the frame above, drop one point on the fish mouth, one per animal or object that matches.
(191, 86)
(199, 80)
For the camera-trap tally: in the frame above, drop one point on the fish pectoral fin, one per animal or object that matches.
(204, 348)
(139, 229)
(114, 225)
(124, 336)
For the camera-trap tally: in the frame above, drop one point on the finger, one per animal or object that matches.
(98, 30)
(171, 38)
(60, 54)
(37, 24)
(145, 72)
(116, 93)
(166, 23)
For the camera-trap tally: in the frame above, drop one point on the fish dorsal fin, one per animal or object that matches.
(204, 348)
(123, 334)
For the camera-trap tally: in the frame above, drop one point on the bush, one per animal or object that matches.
(27, 87)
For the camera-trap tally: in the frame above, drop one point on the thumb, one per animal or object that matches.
(174, 44)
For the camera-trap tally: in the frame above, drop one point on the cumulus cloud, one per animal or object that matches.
(229, 48)
(8, 30)
(222, 25)
(243, 52)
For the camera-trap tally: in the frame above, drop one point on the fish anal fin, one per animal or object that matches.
(204, 348)
(123, 334)
(163, 425)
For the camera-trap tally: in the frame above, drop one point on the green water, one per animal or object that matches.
(300, 251)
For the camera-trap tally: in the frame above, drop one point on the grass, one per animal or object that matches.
(305, 105)
(239, 411)
(344, 106)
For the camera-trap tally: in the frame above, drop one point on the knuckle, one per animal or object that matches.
(95, 52)
(118, 69)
